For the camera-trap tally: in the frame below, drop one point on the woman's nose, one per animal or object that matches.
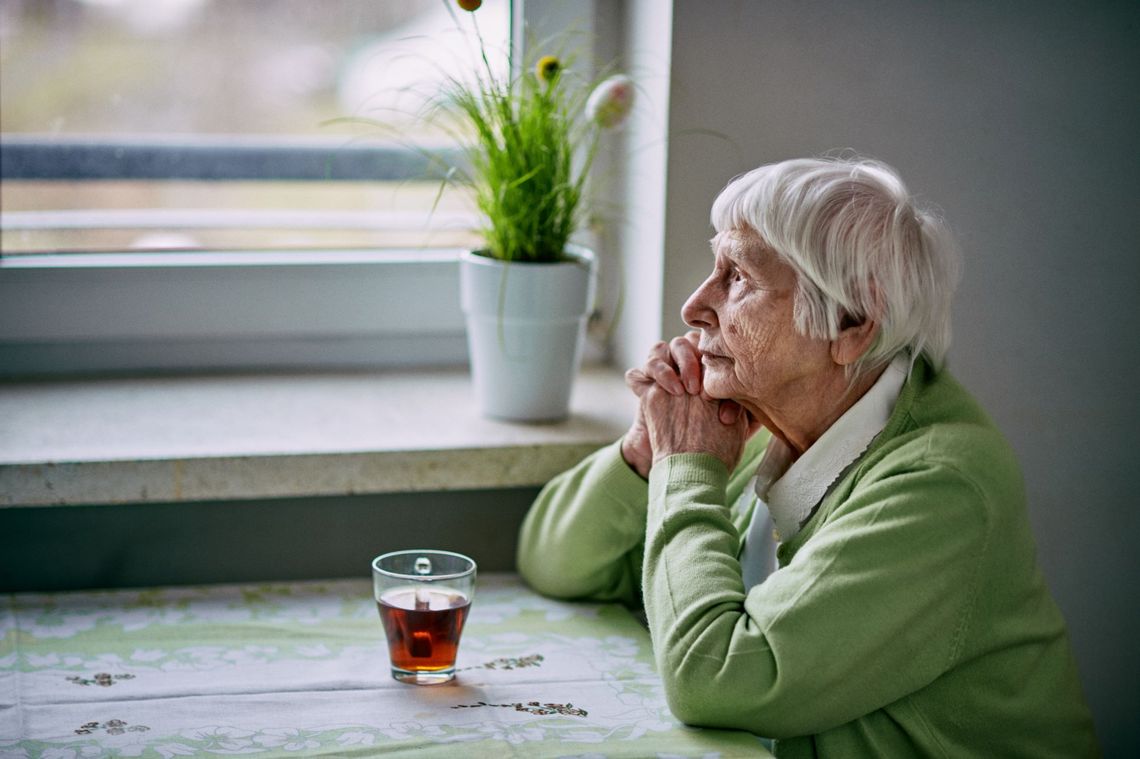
(698, 312)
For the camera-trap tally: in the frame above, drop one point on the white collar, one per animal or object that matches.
(791, 490)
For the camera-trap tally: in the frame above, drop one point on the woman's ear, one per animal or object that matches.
(855, 338)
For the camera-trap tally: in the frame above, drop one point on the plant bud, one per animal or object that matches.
(611, 101)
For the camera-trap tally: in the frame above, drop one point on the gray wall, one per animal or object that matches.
(64, 548)
(1021, 121)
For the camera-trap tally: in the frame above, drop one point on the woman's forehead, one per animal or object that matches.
(742, 245)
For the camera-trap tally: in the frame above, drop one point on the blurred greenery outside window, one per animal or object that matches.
(91, 86)
(185, 186)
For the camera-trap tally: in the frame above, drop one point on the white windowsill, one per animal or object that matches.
(169, 439)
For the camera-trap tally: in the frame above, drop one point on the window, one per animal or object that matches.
(178, 189)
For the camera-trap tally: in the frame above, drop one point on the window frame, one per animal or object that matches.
(95, 313)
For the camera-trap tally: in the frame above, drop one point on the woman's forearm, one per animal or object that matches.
(583, 536)
(869, 611)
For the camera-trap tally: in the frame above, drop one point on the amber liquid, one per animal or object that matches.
(423, 627)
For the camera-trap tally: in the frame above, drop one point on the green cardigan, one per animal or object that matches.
(908, 616)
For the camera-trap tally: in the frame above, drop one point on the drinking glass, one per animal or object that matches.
(423, 597)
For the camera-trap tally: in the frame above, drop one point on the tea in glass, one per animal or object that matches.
(423, 598)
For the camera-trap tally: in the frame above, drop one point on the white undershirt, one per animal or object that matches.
(787, 492)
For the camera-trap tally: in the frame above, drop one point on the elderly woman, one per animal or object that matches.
(827, 533)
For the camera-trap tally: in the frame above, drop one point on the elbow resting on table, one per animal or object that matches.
(556, 579)
(711, 707)
(543, 577)
(702, 692)
(699, 706)
(545, 573)
(689, 706)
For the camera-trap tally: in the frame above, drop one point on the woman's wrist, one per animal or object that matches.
(637, 454)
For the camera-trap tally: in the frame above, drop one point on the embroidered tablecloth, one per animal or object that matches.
(301, 669)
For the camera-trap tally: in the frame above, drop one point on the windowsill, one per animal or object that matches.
(199, 438)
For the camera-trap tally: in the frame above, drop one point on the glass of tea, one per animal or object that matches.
(423, 598)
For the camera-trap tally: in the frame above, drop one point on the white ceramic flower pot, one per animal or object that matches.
(525, 327)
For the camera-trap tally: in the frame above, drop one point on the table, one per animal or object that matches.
(301, 669)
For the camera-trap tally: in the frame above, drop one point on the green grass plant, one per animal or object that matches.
(528, 140)
(529, 156)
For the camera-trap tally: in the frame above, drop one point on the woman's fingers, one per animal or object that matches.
(691, 424)
(729, 412)
(688, 361)
(638, 381)
(674, 365)
(662, 368)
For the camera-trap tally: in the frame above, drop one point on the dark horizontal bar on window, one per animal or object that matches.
(44, 159)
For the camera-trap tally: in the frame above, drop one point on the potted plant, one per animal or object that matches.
(527, 292)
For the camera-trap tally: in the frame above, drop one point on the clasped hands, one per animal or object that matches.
(676, 415)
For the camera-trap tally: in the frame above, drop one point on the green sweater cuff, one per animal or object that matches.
(691, 469)
(682, 479)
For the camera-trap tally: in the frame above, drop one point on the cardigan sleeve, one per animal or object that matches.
(583, 536)
(871, 607)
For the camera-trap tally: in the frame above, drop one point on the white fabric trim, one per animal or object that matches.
(788, 491)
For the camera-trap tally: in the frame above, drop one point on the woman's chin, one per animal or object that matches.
(716, 386)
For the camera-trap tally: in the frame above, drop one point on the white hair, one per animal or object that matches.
(859, 247)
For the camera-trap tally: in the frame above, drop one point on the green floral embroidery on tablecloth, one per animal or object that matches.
(545, 737)
(46, 618)
(614, 657)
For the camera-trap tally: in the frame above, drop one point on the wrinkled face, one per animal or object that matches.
(751, 350)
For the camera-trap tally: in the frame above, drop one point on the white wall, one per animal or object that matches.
(640, 197)
(1021, 121)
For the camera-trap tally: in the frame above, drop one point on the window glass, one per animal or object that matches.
(193, 83)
